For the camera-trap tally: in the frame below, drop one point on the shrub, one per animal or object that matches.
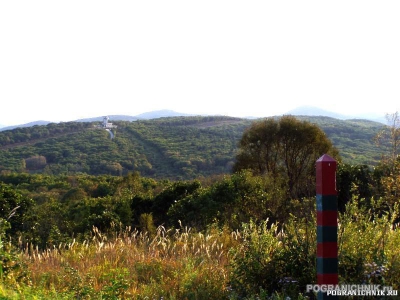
(36, 162)
(272, 261)
(368, 244)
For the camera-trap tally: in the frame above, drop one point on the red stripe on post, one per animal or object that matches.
(327, 218)
(328, 278)
(327, 250)
(326, 175)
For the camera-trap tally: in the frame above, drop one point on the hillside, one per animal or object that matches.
(353, 138)
(175, 148)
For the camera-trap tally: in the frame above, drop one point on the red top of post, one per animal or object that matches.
(326, 175)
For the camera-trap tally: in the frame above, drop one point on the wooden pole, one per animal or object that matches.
(327, 213)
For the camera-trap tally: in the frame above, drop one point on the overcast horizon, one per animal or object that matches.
(63, 61)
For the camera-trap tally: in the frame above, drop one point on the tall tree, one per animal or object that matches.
(284, 148)
(389, 137)
(389, 167)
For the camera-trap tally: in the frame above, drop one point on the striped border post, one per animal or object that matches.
(327, 213)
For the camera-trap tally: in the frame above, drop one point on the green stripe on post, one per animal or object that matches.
(327, 265)
(327, 202)
(326, 234)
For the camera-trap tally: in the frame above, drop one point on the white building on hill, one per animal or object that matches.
(107, 125)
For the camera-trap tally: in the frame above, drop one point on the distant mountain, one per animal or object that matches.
(30, 124)
(161, 114)
(111, 118)
(144, 116)
(316, 111)
(299, 111)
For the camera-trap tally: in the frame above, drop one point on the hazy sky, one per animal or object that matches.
(64, 60)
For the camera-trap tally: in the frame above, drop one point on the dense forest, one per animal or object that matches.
(166, 210)
(171, 148)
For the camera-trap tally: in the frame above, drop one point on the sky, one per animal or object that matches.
(66, 60)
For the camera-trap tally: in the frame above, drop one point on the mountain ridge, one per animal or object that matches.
(174, 147)
(144, 116)
(298, 111)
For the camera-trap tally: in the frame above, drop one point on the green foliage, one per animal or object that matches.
(176, 147)
(170, 195)
(356, 180)
(365, 244)
(78, 238)
(285, 148)
(36, 162)
(254, 264)
(146, 224)
(259, 261)
(388, 138)
(52, 209)
(118, 284)
(11, 269)
(354, 139)
(14, 208)
(272, 261)
(231, 201)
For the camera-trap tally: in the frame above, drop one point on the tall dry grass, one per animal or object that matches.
(173, 264)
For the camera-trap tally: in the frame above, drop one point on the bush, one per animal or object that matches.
(36, 162)
(368, 245)
(11, 267)
(271, 261)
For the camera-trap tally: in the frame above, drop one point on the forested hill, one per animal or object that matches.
(174, 148)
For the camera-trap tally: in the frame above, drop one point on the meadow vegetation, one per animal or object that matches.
(243, 235)
(236, 255)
